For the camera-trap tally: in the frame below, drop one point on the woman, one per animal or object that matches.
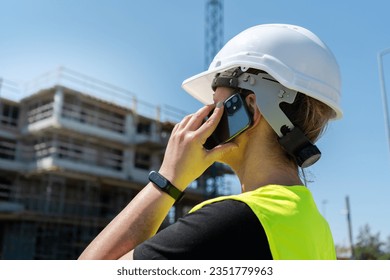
(290, 82)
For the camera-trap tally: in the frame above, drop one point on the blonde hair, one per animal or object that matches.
(309, 115)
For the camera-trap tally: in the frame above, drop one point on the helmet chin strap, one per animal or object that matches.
(270, 94)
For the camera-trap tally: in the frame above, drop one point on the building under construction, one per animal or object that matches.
(73, 152)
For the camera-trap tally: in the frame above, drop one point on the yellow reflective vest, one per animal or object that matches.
(294, 227)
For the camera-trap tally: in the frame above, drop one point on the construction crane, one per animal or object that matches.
(214, 29)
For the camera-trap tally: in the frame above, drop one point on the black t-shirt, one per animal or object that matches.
(219, 231)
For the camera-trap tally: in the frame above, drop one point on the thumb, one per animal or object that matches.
(219, 151)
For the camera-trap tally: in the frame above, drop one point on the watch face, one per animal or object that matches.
(158, 180)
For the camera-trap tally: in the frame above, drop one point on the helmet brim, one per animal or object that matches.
(199, 86)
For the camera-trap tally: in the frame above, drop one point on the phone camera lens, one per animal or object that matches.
(228, 104)
(233, 104)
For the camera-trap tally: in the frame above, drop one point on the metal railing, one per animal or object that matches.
(91, 87)
(10, 89)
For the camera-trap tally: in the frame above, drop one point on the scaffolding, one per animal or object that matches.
(73, 152)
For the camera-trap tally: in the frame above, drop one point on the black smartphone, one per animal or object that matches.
(236, 119)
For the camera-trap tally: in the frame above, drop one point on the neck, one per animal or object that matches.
(258, 177)
(260, 165)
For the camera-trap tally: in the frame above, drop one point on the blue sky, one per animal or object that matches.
(150, 47)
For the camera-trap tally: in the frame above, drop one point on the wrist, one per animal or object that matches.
(178, 181)
(163, 184)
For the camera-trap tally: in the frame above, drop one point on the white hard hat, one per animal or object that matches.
(293, 55)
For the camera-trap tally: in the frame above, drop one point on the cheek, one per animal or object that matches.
(221, 94)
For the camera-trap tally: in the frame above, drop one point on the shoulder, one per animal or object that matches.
(222, 230)
(225, 211)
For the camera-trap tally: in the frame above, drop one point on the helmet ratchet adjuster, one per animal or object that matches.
(299, 146)
(270, 94)
(227, 79)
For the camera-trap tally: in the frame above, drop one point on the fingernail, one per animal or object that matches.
(219, 104)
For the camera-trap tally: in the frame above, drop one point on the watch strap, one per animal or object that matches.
(165, 185)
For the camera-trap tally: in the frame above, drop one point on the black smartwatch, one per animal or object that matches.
(163, 184)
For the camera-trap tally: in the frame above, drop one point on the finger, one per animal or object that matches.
(211, 124)
(198, 118)
(183, 123)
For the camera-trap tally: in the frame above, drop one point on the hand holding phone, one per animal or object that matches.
(236, 119)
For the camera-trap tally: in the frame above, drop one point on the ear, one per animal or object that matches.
(253, 108)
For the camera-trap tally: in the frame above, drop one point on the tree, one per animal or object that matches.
(369, 246)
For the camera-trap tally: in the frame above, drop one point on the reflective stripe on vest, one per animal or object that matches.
(294, 227)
